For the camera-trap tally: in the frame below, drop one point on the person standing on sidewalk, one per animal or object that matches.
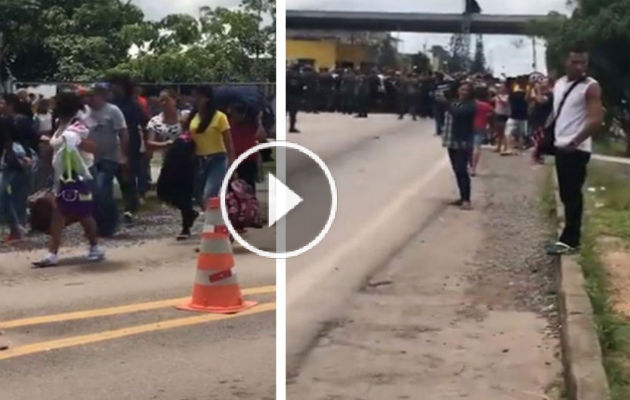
(176, 180)
(17, 161)
(295, 90)
(459, 138)
(438, 108)
(72, 184)
(214, 151)
(483, 117)
(579, 118)
(541, 110)
(516, 127)
(247, 131)
(501, 115)
(108, 130)
(130, 178)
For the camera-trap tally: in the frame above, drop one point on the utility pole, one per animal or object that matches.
(535, 61)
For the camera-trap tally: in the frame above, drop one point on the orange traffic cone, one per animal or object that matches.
(216, 288)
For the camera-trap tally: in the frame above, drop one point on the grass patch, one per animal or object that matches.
(608, 199)
(607, 213)
(609, 147)
(613, 329)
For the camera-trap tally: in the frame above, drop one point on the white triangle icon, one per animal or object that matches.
(281, 200)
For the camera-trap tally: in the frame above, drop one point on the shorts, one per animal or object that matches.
(500, 119)
(480, 137)
(516, 128)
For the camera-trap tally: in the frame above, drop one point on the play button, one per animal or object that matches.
(278, 209)
(299, 201)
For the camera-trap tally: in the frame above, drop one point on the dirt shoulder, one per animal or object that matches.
(605, 258)
(466, 309)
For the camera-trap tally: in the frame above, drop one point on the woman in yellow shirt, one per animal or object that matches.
(210, 130)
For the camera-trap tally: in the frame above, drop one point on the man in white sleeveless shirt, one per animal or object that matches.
(580, 117)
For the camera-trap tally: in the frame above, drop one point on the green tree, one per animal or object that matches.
(421, 61)
(384, 52)
(64, 39)
(442, 56)
(82, 40)
(460, 59)
(603, 26)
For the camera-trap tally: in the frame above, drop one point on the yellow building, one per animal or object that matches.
(327, 53)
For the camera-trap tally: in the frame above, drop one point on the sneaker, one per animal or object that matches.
(184, 235)
(95, 254)
(50, 260)
(560, 248)
(12, 238)
(466, 206)
(294, 131)
(128, 218)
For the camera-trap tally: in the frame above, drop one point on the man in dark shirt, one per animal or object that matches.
(123, 90)
(516, 128)
(295, 90)
(326, 90)
(458, 138)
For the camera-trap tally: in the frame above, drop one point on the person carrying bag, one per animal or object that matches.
(546, 143)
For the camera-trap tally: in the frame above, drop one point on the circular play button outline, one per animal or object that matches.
(333, 193)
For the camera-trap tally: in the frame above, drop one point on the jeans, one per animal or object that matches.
(105, 172)
(144, 178)
(211, 170)
(130, 182)
(460, 159)
(571, 170)
(106, 209)
(14, 187)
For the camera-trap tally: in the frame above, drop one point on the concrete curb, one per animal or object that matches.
(584, 373)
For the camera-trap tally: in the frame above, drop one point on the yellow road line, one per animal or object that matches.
(102, 312)
(133, 330)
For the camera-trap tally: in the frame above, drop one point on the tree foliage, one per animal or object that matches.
(459, 56)
(421, 61)
(83, 40)
(64, 39)
(385, 52)
(603, 26)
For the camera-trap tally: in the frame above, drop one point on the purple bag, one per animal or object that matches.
(74, 199)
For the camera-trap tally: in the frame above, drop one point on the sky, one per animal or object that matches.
(505, 54)
(157, 9)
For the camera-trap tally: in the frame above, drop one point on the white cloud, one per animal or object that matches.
(501, 54)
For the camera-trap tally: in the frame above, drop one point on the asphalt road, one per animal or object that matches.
(130, 342)
(407, 298)
(392, 177)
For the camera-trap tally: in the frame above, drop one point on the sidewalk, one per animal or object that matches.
(466, 309)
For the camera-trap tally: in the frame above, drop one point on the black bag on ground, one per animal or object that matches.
(547, 144)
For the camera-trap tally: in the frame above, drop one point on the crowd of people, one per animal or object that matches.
(511, 114)
(59, 157)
